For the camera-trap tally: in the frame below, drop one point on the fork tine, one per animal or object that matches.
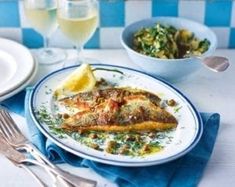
(1, 130)
(8, 126)
(4, 130)
(10, 121)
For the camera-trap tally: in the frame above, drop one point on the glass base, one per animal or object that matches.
(85, 60)
(50, 56)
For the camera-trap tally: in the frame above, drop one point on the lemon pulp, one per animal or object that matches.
(81, 79)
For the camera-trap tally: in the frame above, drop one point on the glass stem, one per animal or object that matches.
(45, 42)
(46, 50)
(79, 54)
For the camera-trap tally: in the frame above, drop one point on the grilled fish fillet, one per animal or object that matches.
(116, 110)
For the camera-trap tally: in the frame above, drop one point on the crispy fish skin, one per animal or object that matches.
(118, 109)
(87, 100)
(144, 126)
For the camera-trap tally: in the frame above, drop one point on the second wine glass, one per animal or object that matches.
(78, 20)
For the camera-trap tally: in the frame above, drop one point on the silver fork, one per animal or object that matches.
(26, 168)
(15, 138)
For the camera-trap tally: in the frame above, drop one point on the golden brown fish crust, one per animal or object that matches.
(88, 100)
(117, 109)
(144, 126)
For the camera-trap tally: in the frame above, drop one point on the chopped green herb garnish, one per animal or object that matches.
(124, 143)
(177, 109)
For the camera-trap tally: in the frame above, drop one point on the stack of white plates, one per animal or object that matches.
(17, 68)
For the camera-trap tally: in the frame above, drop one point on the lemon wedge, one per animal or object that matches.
(81, 79)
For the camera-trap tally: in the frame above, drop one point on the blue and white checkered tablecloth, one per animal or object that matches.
(116, 14)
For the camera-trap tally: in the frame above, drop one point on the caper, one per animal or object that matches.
(130, 138)
(124, 149)
(152, 135)
(111, 145)
(65, 116)
(94, 146)
(93, 135)
(145, 149)
(171, 102)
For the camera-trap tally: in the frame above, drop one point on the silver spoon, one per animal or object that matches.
(215, 63)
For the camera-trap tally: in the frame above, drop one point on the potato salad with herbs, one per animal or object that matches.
(167, 42)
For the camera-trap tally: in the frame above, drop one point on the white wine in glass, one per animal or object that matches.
(43, 20)
(78, 20)
(42, 15)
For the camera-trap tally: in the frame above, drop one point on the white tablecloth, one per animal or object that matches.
(209, 92)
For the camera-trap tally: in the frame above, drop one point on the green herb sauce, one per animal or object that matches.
(122, 143)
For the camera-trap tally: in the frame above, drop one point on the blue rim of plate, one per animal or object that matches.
(107, 161)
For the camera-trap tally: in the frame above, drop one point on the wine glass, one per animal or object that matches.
(78, 20)
(42, 16)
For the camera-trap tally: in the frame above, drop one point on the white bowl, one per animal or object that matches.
(169, 69)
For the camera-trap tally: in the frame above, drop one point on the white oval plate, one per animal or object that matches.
(185, 137)
(16, 65)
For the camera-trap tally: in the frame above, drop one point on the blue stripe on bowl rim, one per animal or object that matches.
(113, 162)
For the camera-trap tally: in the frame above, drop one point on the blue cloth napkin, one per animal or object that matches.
(185, 171)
